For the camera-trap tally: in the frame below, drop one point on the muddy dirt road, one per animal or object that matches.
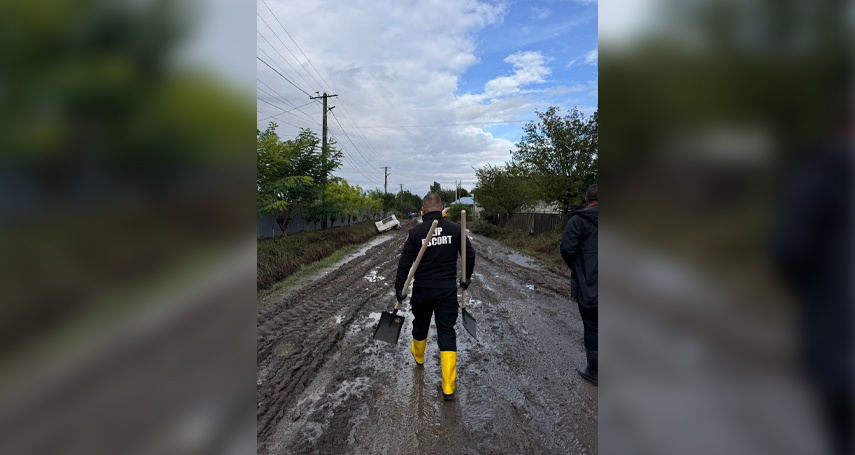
(324, 386)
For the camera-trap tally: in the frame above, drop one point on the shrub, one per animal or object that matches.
(483, 227)
(454, 212)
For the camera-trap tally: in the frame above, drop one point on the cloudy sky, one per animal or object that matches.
(430, 89)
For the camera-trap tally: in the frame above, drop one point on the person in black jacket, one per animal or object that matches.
(579, 251)
(435, 286)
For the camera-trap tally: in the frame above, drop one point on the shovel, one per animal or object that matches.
(389, 327)
(468, 320)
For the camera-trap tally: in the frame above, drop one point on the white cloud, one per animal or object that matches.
(592, 57)
(541, 13)
(398, 64)
(529, 68)
(571, 62)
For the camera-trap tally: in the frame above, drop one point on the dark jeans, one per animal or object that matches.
(443, 303)
(589, 320)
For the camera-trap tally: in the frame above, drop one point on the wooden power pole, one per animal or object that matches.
(324, 140)
(385, 178)
(324, 143)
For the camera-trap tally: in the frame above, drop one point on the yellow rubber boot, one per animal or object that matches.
(418, 350)
(448, 363)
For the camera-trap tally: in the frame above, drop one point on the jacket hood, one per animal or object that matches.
(590, 213)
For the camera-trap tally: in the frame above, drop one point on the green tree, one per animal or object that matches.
(501, 190)
(447, 195)
(352, 200)
(371, 204)
(559, 155)
(406, 207)
(281, 184)
(290, 174)
(376, 196)
(406, 197)
(389, 202)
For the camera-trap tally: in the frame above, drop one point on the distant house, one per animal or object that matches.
(473, 207)
(543, 207)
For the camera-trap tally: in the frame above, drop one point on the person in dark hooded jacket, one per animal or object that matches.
(579, 251)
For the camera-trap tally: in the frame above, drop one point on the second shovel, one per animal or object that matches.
(468, 320)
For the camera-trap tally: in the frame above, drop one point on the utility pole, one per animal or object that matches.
(402, 193)
(385, 178)
(324, 143)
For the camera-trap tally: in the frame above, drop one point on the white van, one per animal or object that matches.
(388, 223)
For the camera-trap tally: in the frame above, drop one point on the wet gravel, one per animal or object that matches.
(325, 386)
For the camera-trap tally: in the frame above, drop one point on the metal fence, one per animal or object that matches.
(532, 223)
(266, 225)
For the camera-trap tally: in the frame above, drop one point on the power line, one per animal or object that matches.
(353, 162)
(348, 138)
(353, 157)
(444, 124)
(278, 97)
(348, 117)
(289, 104)
(295, 126)
(286, 48)
(298, 47)
(274, 91)
(278, 66)
(349, 160)
(284, 112)
(310, 119)
(283, 77)
(347, 113)
(359, 134)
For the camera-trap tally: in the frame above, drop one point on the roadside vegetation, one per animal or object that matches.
(281, 257)
(544, 246)
(553, 164)
(303, 272)
(295, 175)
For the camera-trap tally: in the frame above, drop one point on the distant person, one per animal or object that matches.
(579, 250)
(435, 286)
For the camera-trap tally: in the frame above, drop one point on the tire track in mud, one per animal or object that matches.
(326, 387)
(296, 334)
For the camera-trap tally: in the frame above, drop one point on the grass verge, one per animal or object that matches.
(307, 270)
(543, 246)
(281, 257)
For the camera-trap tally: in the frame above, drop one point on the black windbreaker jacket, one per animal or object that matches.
(438, 268)
(579, 250)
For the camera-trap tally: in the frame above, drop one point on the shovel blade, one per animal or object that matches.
(389, 327)
(469, 323)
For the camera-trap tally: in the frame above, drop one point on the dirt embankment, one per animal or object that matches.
(324, 386)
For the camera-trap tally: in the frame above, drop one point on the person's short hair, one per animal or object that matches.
(592, 193)
(431, 201)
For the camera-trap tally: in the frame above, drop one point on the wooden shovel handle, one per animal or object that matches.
(418, 259)
(463, 255)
